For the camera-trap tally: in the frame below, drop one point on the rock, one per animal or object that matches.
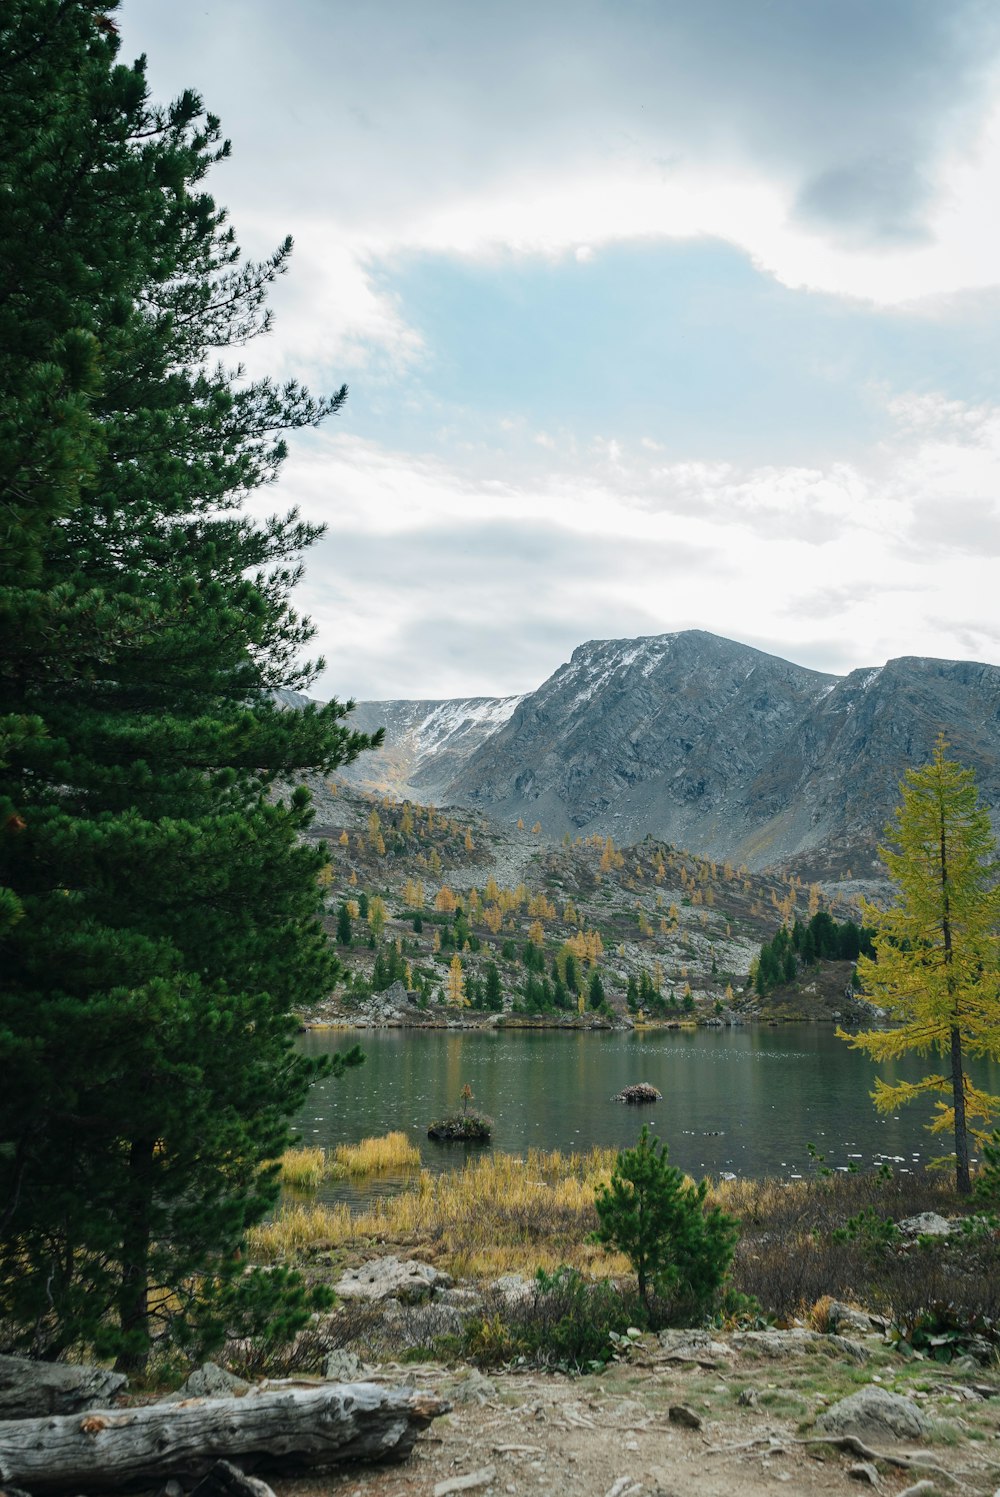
(864, 1471)
(343, 1367)
(926, 1224)
(875, 1414)
(845, 1318)
(208, 1381)
(513, 1287)
(638, 1093)
(693, 1346)
(171, 1489)
(472, 1388)
(462, 1299)
(679, 1413)
(227, 1480)
(780, 1343)
(747, 1398)
(388, 1278)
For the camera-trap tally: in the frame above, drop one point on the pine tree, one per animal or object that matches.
(493, 997)
(161, 913)
(936, 968)
(679, 1247)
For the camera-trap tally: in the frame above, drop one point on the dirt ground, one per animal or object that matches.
(612, 1435)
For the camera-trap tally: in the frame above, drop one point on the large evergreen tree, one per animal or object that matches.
(159, 910)
(936, 968)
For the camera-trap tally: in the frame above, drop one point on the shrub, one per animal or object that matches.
(565, 1321)
(987, 1186)
(262, 1312)
(679, 1248)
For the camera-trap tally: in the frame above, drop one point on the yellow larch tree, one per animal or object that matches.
(456, 983)
(377, 914)
(936, 968)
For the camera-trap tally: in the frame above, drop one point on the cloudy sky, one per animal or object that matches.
(656, 314)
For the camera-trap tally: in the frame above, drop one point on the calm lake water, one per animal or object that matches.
(745, 1100)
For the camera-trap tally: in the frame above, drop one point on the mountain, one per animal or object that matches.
(426, 743)
(703, 742)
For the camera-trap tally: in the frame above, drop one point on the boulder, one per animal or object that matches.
(639, 1093)
(926, 1224)
(780, 1343)
(473, 1387)
(343, 1367)
(208, 1381)
(693, 1346)
(513, 1287)
(875, 1414)
(468, 1300)
(842, 1318)
(408, 1281)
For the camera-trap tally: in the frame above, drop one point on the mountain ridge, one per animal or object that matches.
(707, 743)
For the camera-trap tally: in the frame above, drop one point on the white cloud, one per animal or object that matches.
(837, 567)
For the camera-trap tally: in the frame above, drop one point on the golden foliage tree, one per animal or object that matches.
(936, 970)
(377, 914)
(456, 983)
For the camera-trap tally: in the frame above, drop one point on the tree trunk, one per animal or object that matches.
(285, 1429)
(133, 1294)
(963, 1180)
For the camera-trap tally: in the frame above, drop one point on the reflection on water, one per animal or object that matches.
(742, 1100)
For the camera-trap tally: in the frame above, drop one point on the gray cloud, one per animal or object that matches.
(963, 527)
(372, 112)
(483, 608)
(873, 199)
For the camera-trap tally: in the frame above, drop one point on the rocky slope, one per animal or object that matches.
(426, 743)
(700, 741)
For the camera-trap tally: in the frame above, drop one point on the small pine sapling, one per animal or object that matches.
(680, 1248)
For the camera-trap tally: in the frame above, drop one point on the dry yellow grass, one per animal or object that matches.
(296, 1228)
(373, 1156)
(498, 1214)
(302, 1169)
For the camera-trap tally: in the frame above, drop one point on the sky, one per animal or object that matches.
(655, 315)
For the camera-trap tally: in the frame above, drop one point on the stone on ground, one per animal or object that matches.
(388, 1278)
(875, 1414)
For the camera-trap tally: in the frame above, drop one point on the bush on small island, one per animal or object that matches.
(463, 1127)
(638, 1093)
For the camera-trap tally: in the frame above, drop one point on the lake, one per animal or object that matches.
(744, 1100)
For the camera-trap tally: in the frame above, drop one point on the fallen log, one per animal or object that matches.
(30, 1389)
(290, 1429)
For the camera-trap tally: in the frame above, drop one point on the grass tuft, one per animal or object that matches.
(374, 1156)
(499, 1214)
(302, 1169)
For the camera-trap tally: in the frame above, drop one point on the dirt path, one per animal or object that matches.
(612, 1435)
